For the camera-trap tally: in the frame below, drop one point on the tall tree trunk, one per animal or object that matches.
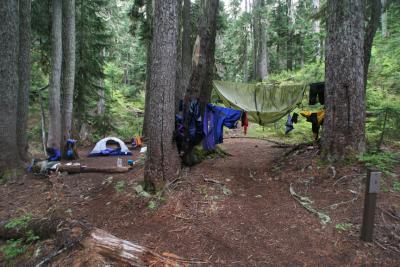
(179, 70)
(317, 29)
(149, 22)
(262, 59)
(186, 49)
(344, 126)
(9, 46)
(201, 79)
(385, 32)
(101, 102)
(24, 75)
(68, 76)
(256, 37)
(162, 160)
(246, 50)
(289, 43)
(54, 137)
(370, 31)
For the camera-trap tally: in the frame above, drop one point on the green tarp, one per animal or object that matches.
(264, 103)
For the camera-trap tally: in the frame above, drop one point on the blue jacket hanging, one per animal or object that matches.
(215, 118)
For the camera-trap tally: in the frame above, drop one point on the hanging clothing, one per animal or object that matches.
(295, 117)
(289, 124)
(316, 90)
(215, 118)
(316, 119)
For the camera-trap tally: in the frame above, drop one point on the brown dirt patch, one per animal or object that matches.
(248, 218)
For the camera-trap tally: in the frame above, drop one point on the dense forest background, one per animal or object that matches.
(111, 62)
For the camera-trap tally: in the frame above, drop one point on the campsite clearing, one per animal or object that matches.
(232, 211)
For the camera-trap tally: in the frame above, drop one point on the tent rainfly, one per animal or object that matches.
(264, 102)
(101, 148)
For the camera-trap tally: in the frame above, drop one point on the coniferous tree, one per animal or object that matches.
(9, 46)
(24, 76)
(344, 125)
(54, 137)
(68, 73)
(90, 44)
(162, 159)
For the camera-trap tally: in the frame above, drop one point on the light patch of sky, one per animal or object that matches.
(242, 4)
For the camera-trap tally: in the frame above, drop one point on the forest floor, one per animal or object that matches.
(227, 211)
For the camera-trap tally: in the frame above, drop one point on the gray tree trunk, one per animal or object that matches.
(68, 72)
(344, 126)
(246, 50)
(317, 29)
(289, 43)
(186, 49)
(54, 137)
(179, 67)
(256, 37)
(24, 75)
(385, 32)
(262, 57)
(162, 160)
(9, 35)
(149, 22)
(201, 79)
(370, 31)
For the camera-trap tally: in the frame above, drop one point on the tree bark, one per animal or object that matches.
(289, 43)
(186, 49)
(201, 79)
(68, 72)
(256, 37)
(179, 67)
(317, 30)
(149, 21)
(370, 31)
(262, 55)
(385, 32)
(344, 126)
(162, 158)
(246, 50)
(24, 75)
(54, 136)
(9, 46)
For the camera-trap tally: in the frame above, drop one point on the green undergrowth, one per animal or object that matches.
(382, 160)
(15, 247)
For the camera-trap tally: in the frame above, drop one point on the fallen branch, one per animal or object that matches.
(71, 169)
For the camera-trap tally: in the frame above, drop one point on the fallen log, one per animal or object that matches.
(79, 244)
(77, 168)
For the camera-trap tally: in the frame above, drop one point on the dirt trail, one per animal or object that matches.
(233, 211)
